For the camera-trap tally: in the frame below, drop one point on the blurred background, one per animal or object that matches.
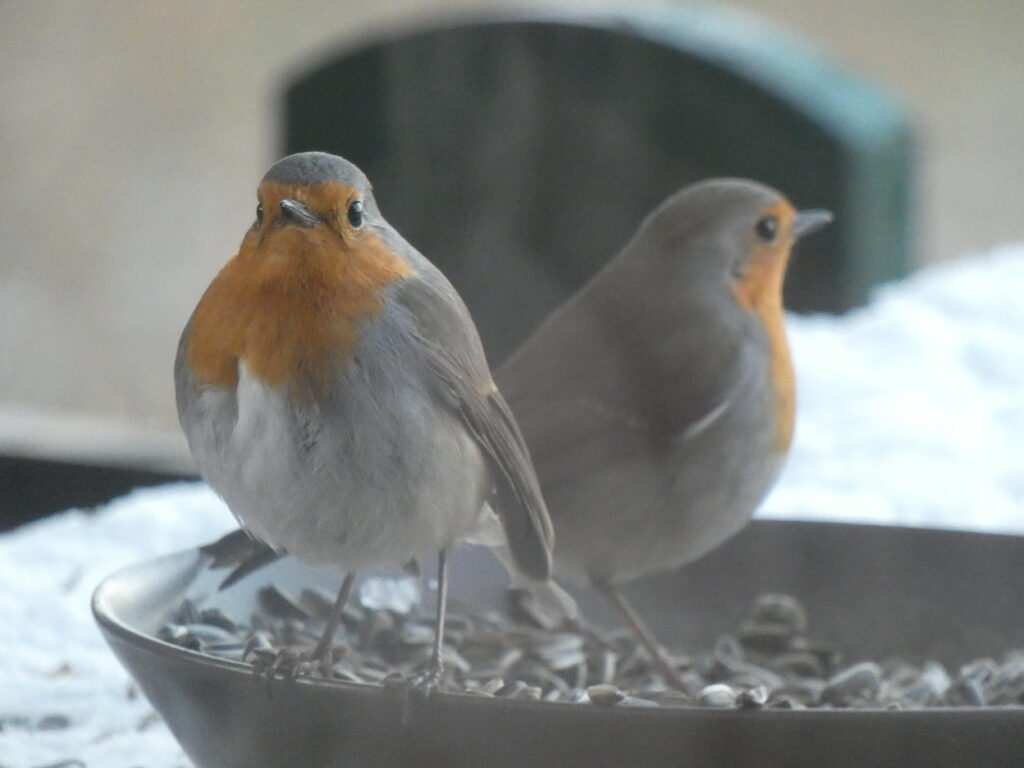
(134, 134)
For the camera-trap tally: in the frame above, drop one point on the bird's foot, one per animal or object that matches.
(424, 682)
(428, 680)
(294, 662)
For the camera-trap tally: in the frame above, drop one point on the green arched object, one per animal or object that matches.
(520, 152)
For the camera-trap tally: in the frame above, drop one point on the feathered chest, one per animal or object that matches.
(291, 315)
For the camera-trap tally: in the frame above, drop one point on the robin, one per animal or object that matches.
(658, 402)
(334, 391)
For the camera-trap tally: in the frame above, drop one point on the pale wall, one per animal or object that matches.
(132, 135)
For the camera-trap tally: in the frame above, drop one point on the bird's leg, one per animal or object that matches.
(294, 662)
(643, 634)
(323, 652)
(431, 676)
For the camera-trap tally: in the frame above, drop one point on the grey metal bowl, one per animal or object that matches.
(875, 592)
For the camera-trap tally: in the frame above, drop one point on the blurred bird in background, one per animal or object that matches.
(658, 402)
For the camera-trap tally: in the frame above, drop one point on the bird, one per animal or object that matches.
(659, 401)
(334, 391)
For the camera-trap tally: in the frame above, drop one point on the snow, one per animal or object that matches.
(54, 661)
(910, 412)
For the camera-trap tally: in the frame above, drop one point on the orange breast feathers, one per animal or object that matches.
(760, 290)
(290, 303)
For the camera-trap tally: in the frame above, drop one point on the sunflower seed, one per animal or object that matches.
(861, 681)
(770, 662)
(279, 604)
(752, 698)
(718, 695)
(605, 695)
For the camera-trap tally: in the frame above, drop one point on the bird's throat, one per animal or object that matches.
(291, 314)
(760, 292)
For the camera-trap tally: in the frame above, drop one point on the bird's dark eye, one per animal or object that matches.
(766, 228)
(259, 214)
(355, 214)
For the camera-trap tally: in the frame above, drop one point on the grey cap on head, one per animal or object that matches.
(305, 168)
(724, 209)
(721, 200)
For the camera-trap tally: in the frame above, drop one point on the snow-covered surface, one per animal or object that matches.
(911, 412)
(53, 660)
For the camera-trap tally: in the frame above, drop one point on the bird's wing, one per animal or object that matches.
(575, 438)
(518, 499)
(456, 360)
(599, 383)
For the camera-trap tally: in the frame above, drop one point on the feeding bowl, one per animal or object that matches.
(873, 592)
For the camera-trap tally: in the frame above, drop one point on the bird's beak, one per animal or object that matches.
(298, 213)
(809, 221)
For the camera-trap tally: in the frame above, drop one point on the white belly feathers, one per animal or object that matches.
(326, 496)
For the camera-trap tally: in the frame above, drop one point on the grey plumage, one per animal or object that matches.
(607, 387)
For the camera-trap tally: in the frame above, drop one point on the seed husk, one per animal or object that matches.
(772, 660)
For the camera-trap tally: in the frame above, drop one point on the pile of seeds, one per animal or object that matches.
(768, 662)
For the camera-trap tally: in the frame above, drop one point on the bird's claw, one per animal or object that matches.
(291, 663)
(426, 681)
